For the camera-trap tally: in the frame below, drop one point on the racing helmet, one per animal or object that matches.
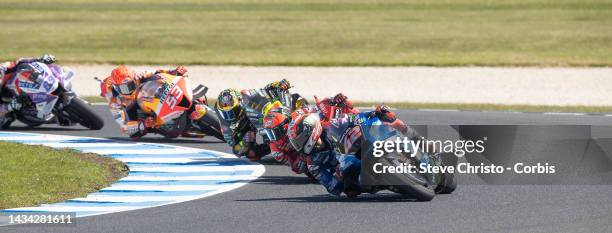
(304, 131)
(342, 101)
(275, 122)
(122, 80)
(229, 104)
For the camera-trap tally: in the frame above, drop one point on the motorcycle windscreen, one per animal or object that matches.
(148, 96)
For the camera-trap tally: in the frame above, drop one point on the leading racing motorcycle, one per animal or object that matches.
(352, 134)
(44, 92)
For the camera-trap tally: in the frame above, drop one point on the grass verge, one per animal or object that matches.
(311, 32)
(34, 175)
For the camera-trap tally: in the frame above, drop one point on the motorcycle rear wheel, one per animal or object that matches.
(210, 125)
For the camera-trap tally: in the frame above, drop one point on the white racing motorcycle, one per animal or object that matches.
(44, 92)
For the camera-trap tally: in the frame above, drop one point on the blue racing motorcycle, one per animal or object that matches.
(355, 135)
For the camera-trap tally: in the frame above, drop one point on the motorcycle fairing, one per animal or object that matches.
(168, 97)
(37, 81)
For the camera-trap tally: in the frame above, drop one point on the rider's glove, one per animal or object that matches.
(342, 101)
(281, 85)
(383, 112)
(181, 70)
(149, 122)
(47, 58)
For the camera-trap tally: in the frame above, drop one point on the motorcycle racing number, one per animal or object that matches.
(48, 83)
(173, 98)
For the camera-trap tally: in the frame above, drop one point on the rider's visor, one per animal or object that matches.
(275, 133)
(125, 88)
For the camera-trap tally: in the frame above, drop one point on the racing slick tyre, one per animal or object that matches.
(210, 125)
(80, 111)
(413, 184)
(447, 184)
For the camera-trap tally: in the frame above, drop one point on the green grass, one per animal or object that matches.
(34, 175)
(494, 107)
(318, 33)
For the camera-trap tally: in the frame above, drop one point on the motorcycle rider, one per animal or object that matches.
(240, 121)
(238, 131)
(120, 91)
(329, 108)
(275, 125)
(7, 70)
(332, 170)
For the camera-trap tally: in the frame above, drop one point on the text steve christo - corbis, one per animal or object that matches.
(457, 147)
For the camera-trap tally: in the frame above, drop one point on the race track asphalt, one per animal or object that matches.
(282, 202)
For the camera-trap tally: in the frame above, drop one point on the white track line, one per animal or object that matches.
(184, 178)
(565, 113)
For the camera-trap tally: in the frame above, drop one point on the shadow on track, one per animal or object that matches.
(43, 128)
(269, 160)
(370, 198)
(282, 180)
(166, 140)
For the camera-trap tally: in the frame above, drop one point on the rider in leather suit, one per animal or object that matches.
(119, 89)
(330, 168)
(7, 70)
(240, 116)
(275, 125)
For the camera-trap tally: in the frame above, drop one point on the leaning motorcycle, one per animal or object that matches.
(257, 103)
(168, 99)
(350, 138)
(44, 92)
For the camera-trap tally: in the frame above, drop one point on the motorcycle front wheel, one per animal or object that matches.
(413, 185)
(447, 182)
(80, 111)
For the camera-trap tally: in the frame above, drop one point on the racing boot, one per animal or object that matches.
(5, 117)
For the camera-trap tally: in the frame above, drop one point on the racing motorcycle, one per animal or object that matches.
(349, 138)
(257, 103)
(44, 92)
(169, 99)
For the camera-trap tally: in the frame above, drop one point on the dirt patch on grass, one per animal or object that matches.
(118, 169)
